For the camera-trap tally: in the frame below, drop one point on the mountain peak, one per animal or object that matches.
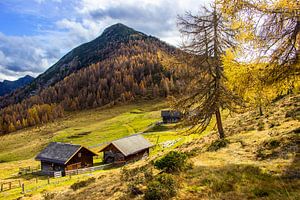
(116, 27)
(120, 30)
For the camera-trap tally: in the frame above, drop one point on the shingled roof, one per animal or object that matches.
(57, 152)
(131, 144)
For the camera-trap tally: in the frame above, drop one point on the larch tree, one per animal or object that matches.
(277, 31)
(246, 79)
(207, 37)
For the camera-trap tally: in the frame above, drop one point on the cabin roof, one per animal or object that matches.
(170, 113)
(58, 152)
(131, 144)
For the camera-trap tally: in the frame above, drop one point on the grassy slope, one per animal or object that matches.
(262, 159)
(88, 128)
(251, 166)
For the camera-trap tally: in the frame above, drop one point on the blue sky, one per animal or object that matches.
(34, 34)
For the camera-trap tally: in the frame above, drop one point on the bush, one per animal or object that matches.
(218, 144)
(48, 196)
(82, 184)
(260, 192)
(163, 187)
(134, 190)
(270, 149)
(260, 126)
(135, 178)
(172, 162)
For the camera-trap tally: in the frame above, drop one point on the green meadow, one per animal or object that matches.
(90, 128)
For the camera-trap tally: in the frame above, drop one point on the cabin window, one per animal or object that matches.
(79, 155)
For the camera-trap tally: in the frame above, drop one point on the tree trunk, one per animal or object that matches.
(260, 111)
(219, 124)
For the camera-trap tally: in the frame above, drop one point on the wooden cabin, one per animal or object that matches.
(131, 148)
(170, 116)
(63, 157)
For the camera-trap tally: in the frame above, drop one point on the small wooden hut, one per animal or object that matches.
(170, 116)
(63, 157)
(126, 149)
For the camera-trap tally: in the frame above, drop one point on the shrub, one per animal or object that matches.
(218, 144)
(82, 184)
(260, 126)
(163, 187)
(48, 196)
(295, 113)
(135, 178)
(260, 192)
(270, 149)
(172, 162)
(133, 189)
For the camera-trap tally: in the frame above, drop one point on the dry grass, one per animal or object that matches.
(235, 171)
(257, 163)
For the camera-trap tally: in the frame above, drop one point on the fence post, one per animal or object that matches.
(48, 180)
(36, 180)
(1, 187)
(23, 188)
(157, 141)
(19, 183)
(9, 185)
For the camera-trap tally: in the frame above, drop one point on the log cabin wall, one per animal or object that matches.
(138, 155)
(49, 166)
(83, 158)
(112, 154)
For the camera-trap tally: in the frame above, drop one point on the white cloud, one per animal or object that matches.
(82, 21)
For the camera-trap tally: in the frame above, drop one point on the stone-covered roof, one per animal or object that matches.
(131, 144)
(58, 152)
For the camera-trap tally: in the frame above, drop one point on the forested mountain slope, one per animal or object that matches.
(118, 66)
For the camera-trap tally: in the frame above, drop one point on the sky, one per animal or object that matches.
(34, 34)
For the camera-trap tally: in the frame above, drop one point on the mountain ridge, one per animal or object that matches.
(120, 65)
(7, 86)
(82, 56)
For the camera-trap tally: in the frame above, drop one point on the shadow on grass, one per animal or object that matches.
(293, 171)
(161, 127)
(238, 182)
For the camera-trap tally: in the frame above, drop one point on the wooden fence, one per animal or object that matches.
(89, 169)
(8, 185)
(28, 170)
(57, 174)
(37, 184)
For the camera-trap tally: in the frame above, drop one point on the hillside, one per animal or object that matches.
(95, 51)
(258, 162)
(91, 128)
(119, 66)
(260, 158)
(7, 87)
